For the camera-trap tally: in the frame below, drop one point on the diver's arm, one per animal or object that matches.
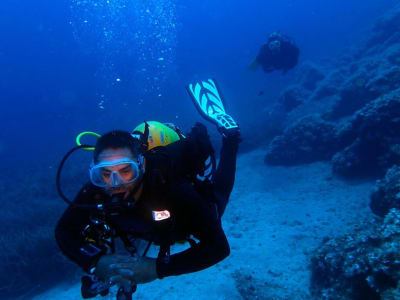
(205, 254)
(205, 225)
(68, 234)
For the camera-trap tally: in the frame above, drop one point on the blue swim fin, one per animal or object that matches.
(209, 102)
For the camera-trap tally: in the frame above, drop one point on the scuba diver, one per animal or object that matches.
(154, 185)
(279, 53)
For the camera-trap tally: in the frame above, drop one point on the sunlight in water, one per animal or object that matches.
(135, 40)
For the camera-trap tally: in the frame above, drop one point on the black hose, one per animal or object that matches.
(58, 178)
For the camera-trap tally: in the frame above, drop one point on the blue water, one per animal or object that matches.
(72, 65)
(58, 64)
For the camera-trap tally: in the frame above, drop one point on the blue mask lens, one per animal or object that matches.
(115, 173)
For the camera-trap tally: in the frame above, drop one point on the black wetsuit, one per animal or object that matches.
(284, 59)
(195, 208)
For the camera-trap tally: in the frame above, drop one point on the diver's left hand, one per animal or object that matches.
(142, 270)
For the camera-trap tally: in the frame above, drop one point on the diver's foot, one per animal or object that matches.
(232, 134)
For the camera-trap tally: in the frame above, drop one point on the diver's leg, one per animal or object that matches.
(209, 102)
(224, 177)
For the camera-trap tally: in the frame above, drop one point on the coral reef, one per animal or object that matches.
(292, 97)
(330, 85)
(386, 194)
(360, 95)
(372, 138)
(375, 79)
(385, 32)
(310, 75)
(308, 140)
(355, 93)
(365, 145)
(361, 265)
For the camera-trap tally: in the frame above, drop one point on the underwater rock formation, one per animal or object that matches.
(393, 54)
(292, 97)
(360, 93)
(330, 85)
(367, 144)
(363, 88)
(386, 81)
(352, 160)
(385, 31)
(361, 265)
(372, 138)
(310, 139)
(375, 68)
(310, 75)
(386, 194)
(355, 93)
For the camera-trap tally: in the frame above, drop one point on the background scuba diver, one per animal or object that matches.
(162, 201)
(279, 53)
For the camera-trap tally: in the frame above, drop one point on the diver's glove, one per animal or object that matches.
(121, 269)
(107, 271)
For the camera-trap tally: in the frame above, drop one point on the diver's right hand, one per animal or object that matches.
(107, 269)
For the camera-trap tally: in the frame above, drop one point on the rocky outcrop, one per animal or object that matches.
(353, 95)
(310, 139)
(386, 194)
(358, 98)
(385, 32)
(372, 138)
(292, 97)
(362, 265)
(309, 76)
(330, 85)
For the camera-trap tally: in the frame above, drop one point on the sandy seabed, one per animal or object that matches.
(275, 218)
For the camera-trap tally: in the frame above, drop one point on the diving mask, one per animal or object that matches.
(115, 173)
(274, 46)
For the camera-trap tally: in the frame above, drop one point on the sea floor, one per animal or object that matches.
(275, 218)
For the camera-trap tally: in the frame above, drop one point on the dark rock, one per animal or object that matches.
(360, 265)
(293, 97)
(325, 91)
(380, 117)
(354, 95)
(330, 85)
(310, 139)
(309, 76)
(385, 28)
(361, 95)
(371, 138)
(393, 54)
(387, 81)
(387, 193)
(354, 160)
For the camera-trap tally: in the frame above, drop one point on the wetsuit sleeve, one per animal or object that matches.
(290, 55)
(264, 56)
(201, 218)
(68, 233)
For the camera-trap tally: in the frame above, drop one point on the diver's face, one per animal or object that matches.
(119, 177)
(275, 46)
